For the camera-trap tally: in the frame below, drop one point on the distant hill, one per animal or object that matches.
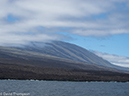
(69, 51)
(55, 59)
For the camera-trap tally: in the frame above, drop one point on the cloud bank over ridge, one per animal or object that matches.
(43, 20)
(114, 59)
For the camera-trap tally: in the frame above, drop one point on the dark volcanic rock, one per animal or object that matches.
(41, 73)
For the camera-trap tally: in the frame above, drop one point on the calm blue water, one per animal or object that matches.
(61, 88)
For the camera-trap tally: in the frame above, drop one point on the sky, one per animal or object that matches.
(100, 26)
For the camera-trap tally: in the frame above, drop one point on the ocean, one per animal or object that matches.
(62, 88)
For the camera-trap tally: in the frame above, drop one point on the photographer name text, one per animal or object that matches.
(13, 94)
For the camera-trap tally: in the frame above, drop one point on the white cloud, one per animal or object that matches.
(114, 59)
(83, 17)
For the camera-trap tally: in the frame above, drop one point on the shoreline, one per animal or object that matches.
(63, 80)
(57, 74)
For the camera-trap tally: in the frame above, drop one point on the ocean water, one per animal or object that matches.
(62, 88)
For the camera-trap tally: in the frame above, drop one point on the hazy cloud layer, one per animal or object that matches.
(41, 20)
(114, 59)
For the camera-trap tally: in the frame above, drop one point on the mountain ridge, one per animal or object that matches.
(56, 61)
(69, 51)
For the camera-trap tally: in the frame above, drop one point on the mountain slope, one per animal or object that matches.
(69, 51)
(15, 56)
(56, 61)
(56, 51)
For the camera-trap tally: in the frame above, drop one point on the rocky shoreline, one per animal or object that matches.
(57, 74)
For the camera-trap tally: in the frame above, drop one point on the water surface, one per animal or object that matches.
(62, 88)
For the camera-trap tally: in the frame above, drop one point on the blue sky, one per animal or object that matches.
(116, 44)
(100, 26)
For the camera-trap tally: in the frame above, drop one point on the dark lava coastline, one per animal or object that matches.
(38, 73)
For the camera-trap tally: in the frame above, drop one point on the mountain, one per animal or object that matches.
(56, 60)
(69, 51)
